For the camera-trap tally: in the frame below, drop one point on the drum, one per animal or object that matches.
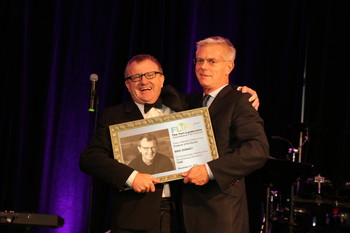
(322, 207)
(339, 217)
(317, 187)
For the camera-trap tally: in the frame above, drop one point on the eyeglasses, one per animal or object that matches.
(148, 75)
(211, 61)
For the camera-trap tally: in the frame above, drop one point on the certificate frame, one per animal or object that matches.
(185, 137)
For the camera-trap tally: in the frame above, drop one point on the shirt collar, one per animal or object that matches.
(216, 92)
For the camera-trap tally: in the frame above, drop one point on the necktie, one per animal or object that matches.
(205, 100)
(157, 104)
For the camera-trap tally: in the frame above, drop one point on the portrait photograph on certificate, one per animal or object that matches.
(165, 146)
(148, 152)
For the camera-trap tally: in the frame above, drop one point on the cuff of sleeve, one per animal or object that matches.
(131, 178)
(210, 173)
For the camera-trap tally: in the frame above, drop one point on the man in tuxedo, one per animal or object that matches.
(214, 197)
(140, 196)
(141, 203)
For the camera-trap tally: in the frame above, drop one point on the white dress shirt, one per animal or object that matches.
(153, 112)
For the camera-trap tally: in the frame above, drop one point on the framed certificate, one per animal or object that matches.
(165, 146)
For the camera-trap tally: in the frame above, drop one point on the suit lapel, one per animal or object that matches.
(217, 103)
(132, 111)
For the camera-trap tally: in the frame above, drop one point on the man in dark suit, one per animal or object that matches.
(214, 198)
(141, 204)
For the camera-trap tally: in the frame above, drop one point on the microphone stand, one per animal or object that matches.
(92, 189)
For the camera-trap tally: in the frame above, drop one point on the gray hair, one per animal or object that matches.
(231, 50)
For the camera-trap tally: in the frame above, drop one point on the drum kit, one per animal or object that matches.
(298, 199)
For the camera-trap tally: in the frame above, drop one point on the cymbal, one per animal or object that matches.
(321, 201)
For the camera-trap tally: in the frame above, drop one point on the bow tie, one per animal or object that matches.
(157, 104)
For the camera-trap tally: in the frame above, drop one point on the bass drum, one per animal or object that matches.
(339, 217)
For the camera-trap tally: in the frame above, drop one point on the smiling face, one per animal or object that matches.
(145, 90)
(213, 72)
(148, 150)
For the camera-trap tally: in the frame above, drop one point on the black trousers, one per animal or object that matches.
(167, 222)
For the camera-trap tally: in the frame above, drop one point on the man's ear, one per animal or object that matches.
(127, 85)
(163, 78)
(230, 66)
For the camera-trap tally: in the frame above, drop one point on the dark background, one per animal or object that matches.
(50, 48)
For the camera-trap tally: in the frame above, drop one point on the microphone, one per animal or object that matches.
(93, 79)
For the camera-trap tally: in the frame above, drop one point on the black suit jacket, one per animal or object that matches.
(221, 205)
(131, 210)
